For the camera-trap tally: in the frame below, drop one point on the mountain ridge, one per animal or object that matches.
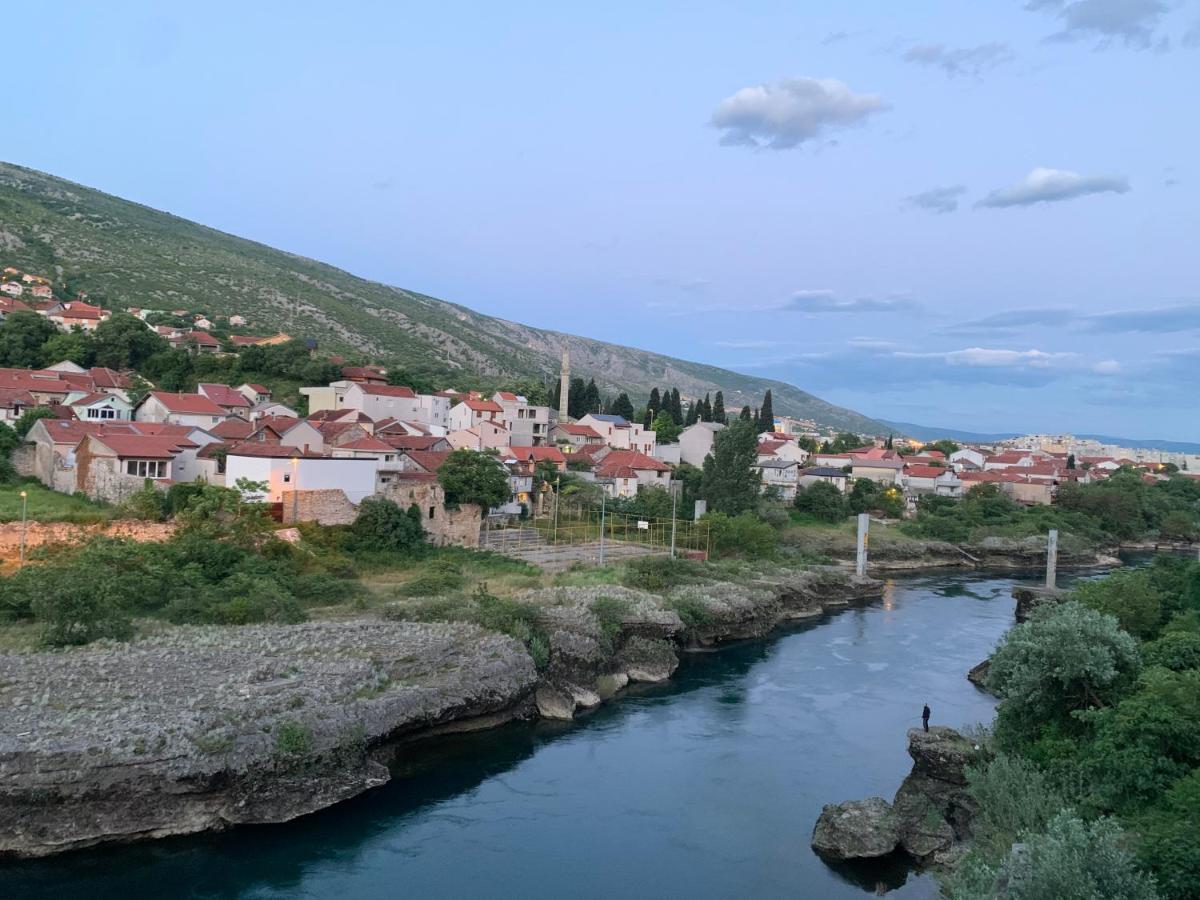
(123, 253)
(930, 433)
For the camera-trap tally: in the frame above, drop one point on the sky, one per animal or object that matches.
(982, 216)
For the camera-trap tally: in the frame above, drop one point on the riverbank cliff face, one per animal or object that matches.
(201, 728)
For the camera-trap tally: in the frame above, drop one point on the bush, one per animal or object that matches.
(439, 576)
(610, 613)
(660, 573)
(1175, 650)
(73, 609)
(744, 535)
(1013, 797)
(149, 503)
(381, 525)
(293, 739)
(822, 501)
(1129, 597)
(692, 611)
(1170, 839)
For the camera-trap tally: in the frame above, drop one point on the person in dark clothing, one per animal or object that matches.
(925, 717)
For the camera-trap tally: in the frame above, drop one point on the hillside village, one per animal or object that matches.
(361, 435)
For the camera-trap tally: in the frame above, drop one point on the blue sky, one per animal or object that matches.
(981, 215)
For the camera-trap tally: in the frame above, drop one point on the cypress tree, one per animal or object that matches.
(623, 407)
(692, 414)
(705, 412)
(575, 407)
(555, 393)
(745, 413)
(766, 416)
(676, 407)
(648, 419)
(591, 397)
(655, 403)
(718, 409)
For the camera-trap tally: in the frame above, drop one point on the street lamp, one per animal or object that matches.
(295, 489)
(24, 506)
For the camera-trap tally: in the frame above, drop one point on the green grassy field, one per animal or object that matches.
(45, 505)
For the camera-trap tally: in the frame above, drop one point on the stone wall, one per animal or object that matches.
(38, 534)
(103, 478)
(442, 526)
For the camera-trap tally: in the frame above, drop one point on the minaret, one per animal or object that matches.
(564, 386)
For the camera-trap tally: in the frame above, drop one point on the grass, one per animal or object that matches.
(45, 505)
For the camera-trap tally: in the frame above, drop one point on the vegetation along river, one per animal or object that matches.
(707, 786)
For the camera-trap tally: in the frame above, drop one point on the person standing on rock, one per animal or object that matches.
(925, 717)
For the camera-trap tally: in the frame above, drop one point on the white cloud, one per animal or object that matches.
(1131, 21)
(826, 301)
(961, 61)
(1004, 359)
(1052, 185)
(1107, 367)
(791, 111)
(938, 200)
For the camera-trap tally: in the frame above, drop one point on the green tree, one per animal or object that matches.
(665, 428)
(1066, 657)
(744, 415)
(944, 446)
(1170, 839)
(591, 397)
(576, 407)
(30, 417)
(655, 403)
(730, 483)
(623, 407)
(718, 408)
(382, 525)
(766, 414)
(692, 416)
(1178, 525)
(823, 501)
(72, 346)
(863, 495)
(1129, 597)
(704, 409)
(676, 406)
(468, 476)
(23, 334)
(123, 341)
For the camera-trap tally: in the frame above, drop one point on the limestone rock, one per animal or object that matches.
(553, 703)
(978, 675)
(856, 829)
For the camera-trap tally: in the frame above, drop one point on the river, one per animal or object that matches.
(707, 786)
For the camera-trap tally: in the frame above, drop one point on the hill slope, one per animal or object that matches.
(125, 254)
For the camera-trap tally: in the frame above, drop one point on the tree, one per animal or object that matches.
(655, 403)
(730, 482)
(123, 341)
(623, 407)
(1066, 657)
(704, 410)
(1070, 460)
(665, 429)
(1170, 839)
(468, 476)
(744, 415)
(591, 398)
(383, 525)
(23, 334)
(575, 399)
(823, 501)
(766, 414)
(718, 408)
(30, 417)
(692, 416)
(944, 446)
(676, 406)
(889, 444)
(1178, 525)
(1129, 597)
(863, 495)
(73, 346)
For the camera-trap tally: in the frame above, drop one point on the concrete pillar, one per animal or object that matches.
(1052, 558)
(860, 564)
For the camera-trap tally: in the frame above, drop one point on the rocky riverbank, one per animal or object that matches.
(201, 728)
(929, 819)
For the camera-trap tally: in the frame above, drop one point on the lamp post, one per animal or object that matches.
(674, 499)
(24, 506)
(557, 489)
(603, 497)
(295, 489)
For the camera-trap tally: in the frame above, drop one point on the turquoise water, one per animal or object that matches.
(705, 787)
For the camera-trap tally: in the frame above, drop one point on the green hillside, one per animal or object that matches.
(125, 254)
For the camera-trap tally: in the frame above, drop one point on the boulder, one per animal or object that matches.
(856, 829)
(553, 703)
(978, 675)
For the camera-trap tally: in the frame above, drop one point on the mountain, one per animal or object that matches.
(125, 254)
(926, 433)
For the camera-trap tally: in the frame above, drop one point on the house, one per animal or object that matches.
(179, 409)
(617, 466)
(203, 322)
(788, 450)
(99, 407)
(779, 475)
(574, 435)
(200, 342)
(487, 435)
(13, 288)
(833, 460)
(470, 412)
(42, 292)
(365, 448)
(535, 455)
(232, 430)
(880, 470)
(238, 321)
(13, 402)
(254, 393)
(47, 388)
(379, 401)
(621, 434)
(112, 466)
(528, 425)
(109, 381)
(272, 408)
(415, 441)
(696, 442)
(827, 474)
(291, 432)
(229, 399)
(287, 470)
(365, 374)
(924, 479)
(76, 314)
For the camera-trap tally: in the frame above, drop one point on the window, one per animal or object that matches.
(287, 477)
(432, 511)
(146, 468)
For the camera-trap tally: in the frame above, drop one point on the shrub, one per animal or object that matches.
(468, 476)
(1129, 596)
(743, 535)
(611, 613)
(439, 576)
(381, 525)
(1170, 839)
(293, 739)
(1175, 650)
(822, 501)
(659, 573)
(692, 611)
(149, 503)
(74, 609)
(1013, 797)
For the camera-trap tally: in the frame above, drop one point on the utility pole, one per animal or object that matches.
(603, 497)
(860, 564)
(557, 488)
(1052, 559)
(295, 490)
(674, 500)
(24, 506)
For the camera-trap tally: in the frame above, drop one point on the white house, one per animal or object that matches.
(828, 474)
(621, 434)
(469, 413)
(932, 480)
(285, 469)
(96, 407)
(780, 474)
(968, 455)
(528, 425)
(179, 409)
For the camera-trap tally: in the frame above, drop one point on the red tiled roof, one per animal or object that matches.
(24, 379)
(353, 372)
(10, 397)
(89, 399)
(387, 390)
(483, 406)
(538, 454)
(108, 378)
(273, 451)
(258, 388)
(634, 460)
(412, 441)
(507, 396)
(244, 340)
(429, 460)
(281, 425)
(578, 430)
(919, 471)
(187, 404)
(232, 428)
(224, 395)
(367, 443)
(76, 309)
(145, 446)
(202, 338)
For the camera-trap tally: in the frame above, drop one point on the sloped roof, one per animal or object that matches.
(367, 443)
(145, 446)
(224, 395)
(578, 430)
(387, 390)
(824, 472)
(633, 460)
(187, 404)
(483, 406)
(429, 460)
(232, 428)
